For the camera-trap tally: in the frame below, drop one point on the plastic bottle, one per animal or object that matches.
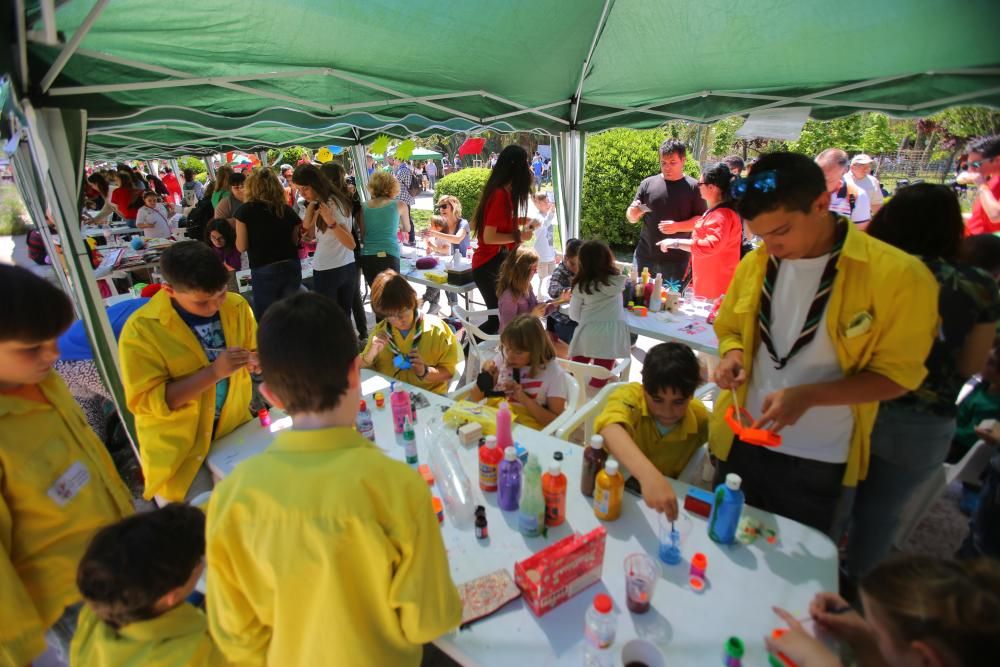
(531, 510)
(409, 441)
(647, 293)
(399, 401)
(608, 489)
(726, 510)
(504, 437)
(599, 630)
(489, 462)
(509, 481)
(554, 490)
(593, 462)
(363, 422)
(452, 482)
(655, 301)
(264, 416)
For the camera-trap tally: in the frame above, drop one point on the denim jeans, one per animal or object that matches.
(60, 635)
(907, 447)
(433, 295)
(274, 282)
(340, 284)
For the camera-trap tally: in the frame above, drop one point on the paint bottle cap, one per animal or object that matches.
(363, 407)
(602, 603)
(699, 560)
(597, 441)
(509, 454)
(611, 467)
(554, 467)
(491, 441)
(733, 481)
(734, 647)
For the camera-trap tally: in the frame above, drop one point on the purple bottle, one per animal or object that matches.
(509, 481)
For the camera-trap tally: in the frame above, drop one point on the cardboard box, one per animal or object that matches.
(561, 570)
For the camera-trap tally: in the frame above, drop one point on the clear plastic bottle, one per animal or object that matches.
(456, 490)
(363, 422)
(599, 631)
(531, 509)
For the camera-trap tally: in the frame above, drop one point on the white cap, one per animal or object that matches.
(862, 158)
(509, 454)
(611, 467)
(554, 467)
(733, 481)
(597, 441)
(491, 441)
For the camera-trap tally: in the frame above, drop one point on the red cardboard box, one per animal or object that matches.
(561, 570)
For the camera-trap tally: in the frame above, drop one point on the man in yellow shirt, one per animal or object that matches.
(58, 484)
(655, 427)
(135, 579)
(818, 326)
(186, 357)
(321, 550)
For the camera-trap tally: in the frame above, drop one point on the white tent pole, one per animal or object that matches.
(72, 45)
(648, 108)
(524, 109)
(358, 154)
(179, 83)
(955, 99)
(528, 110)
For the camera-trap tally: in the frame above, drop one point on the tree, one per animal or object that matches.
(876, 137)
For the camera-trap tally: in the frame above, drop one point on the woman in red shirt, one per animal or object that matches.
(125, 199)
(497, 224)
(715, 240)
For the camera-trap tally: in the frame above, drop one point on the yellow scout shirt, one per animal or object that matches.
(157, 347)
(58, 486)
(882, 317)
(178, 638)
(323, 551)
(437, 346)
(670, 452)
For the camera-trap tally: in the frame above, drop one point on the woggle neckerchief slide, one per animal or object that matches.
(735, 417)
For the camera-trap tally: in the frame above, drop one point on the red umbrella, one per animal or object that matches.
(472, 146)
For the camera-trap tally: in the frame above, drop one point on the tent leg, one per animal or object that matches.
(568, 159)
(358, 154)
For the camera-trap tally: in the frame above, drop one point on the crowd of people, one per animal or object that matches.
(848, 323)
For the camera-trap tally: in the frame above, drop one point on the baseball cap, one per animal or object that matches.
(284, 167)
(861, 158)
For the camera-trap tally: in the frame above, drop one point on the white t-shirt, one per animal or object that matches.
(544, 238)
(842, 206)
(870, 185)
(550, 383)
(823, 433)
(330, 252)
(153, 216)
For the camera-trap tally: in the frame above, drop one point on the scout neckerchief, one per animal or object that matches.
(400, 361)
(815, 314)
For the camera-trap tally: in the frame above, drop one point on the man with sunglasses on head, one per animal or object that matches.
(820, 324)
(984, 172)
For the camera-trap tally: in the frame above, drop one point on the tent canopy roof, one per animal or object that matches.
(158, 79)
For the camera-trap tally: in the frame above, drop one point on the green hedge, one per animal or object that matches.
(189, 162)
(467, 185)
(13, 214)
(616, 162)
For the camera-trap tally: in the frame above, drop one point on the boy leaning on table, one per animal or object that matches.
(58, 484)
(322, 550)
(654, 428)
(818, 326)
(186, 357)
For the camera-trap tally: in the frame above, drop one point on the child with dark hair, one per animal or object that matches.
(819, 325)
(983, 252)
(185, 358)
(58, 484)
(562, 275)
(221, 238)
(654, 428)
(596, 303)
(378, 585)
(135, 578)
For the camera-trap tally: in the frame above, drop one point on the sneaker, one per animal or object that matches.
(434, 309)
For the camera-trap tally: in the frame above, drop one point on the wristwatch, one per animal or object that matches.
(427, 369)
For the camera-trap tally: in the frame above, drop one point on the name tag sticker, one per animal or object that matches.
(69, 484)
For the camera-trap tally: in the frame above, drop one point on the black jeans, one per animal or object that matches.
(804, 490)
(372, 265)
(486, 277)
(340, 284)
(360, 318)
(672, 266)
(274, 282)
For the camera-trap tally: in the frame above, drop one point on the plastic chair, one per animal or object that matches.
(572, 403)
(968, 470)
(482, 346)
(584, 373)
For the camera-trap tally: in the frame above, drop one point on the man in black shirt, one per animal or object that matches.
(668, 204)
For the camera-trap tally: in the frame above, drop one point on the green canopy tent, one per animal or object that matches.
(131, 84)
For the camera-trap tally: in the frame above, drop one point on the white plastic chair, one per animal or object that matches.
(584, 373)
(482, 346)
(572, 403)
(966, 470)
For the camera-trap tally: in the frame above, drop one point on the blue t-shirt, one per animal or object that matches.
(74, 345)
(208, 331)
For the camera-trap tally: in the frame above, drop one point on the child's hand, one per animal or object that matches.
(798, 646)
(986, 435)
(540, 309)
(846, 626)
(515, 392)
(417, 362)
(253, 363)
(659, 495)
(229, 361)
(379, 341)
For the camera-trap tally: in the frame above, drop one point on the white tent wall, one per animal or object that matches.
(567, 174)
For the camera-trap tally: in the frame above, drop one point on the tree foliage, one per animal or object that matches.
(189, 162)
(290, 155)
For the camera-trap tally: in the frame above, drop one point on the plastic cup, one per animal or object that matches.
(641, 575)
(642, 652)
(673, 534)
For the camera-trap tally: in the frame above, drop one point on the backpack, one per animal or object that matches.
(850, 192)
(36, 247)
(416, 184)
(198, 218)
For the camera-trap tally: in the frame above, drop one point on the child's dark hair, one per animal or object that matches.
(597, 265)
(671, 366)
(191, 266)
(573, 247)
(222, 226)
(788, 181)
(306, 377)
(923, 219)
(954, 606)
(131, 564)
(34, 310)
(982, 251)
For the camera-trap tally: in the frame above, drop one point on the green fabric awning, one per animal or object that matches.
(158, 80)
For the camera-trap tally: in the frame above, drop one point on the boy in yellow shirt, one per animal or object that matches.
(186, 357)
(321, 550)
(654, 428)
(135, 579)
(58, 485)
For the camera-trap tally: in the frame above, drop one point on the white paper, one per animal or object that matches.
(785, 123)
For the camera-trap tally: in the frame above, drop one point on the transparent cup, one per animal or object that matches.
(641, 575)
(672, 535)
